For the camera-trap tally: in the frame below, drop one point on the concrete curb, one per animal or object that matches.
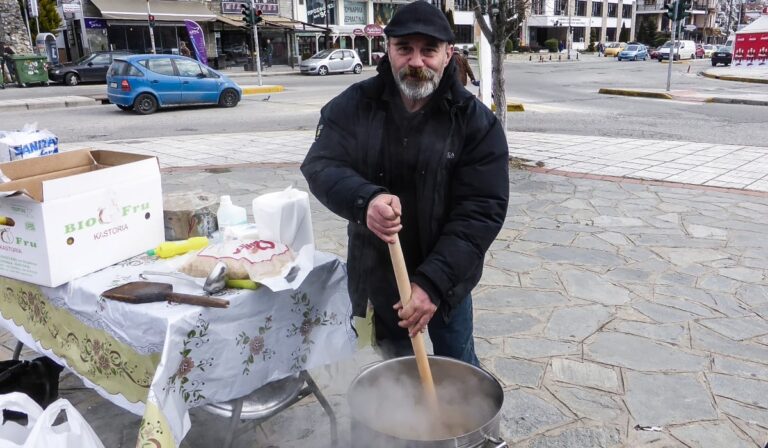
(734, 78)
(47, 103)
(636, 93)
(259, 90)
(748, 102)
(511, 107)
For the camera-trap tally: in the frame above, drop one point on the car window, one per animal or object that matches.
(347, 54)
(336, 55)
(322, 55)
(188, 68)
(212, 74)
(632, 48)
(161, 66)
(123, 68)
(101, 59)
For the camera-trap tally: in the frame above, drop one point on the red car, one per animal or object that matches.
(656, 53)
(699, 51)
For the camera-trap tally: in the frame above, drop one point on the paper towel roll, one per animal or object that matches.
(284, 216)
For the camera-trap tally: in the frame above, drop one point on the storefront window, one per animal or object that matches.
(383, 12)
(355, 13)
(316, 12)
(166, 41)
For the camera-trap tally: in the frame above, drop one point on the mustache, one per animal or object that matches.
(420, 74)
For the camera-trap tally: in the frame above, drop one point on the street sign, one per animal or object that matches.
(373, 30)
(358, 32)
(690, 27)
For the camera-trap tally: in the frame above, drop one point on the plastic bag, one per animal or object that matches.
(27, 143)
(13, 434)
(284, 216)
(74, 433)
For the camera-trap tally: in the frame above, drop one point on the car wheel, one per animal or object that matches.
(714, 64)
(125, 108)
(71, 79)
(635, 58)
(229, 98)
(358, 69)
(693, 56)
(145, 104)
(322, 71)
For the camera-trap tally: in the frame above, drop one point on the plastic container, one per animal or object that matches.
(230, 214)
(170, 249)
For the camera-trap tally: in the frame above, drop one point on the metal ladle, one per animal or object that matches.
(215, 282)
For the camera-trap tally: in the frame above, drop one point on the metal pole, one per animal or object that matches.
(84, 32)
(26, 22)
(256, 41)
(568, 38)
(730, 16)
(672, 50)
(151, 29)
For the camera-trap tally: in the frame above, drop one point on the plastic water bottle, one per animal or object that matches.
(230, 214)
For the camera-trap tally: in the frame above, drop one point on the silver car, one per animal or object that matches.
(335, 60)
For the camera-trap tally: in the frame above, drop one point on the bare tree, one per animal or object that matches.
(505, 19)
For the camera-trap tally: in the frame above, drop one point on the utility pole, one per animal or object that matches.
(672, 48)
(569, 37)
(151, 28)
(256, 41)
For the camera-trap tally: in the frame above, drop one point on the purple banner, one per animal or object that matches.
(198, 40)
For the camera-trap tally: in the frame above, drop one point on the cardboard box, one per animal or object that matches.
(67, 215)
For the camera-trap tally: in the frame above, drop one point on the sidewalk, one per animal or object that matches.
(706, 164)
(606, 306)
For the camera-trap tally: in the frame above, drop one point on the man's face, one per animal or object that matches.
(418, 63)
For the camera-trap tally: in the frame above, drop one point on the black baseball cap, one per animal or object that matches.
(420, 17)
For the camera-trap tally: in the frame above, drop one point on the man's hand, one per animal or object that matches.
(475, 82)
(383, 217)
(417, 314)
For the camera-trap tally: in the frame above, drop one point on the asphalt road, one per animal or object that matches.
(559, 98)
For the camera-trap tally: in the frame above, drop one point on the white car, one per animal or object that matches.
(708, 50)
(335, 60)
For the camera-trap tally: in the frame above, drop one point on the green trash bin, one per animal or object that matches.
(30, 69)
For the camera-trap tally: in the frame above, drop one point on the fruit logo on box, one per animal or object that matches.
(106, 216)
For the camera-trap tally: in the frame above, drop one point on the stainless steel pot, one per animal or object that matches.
(378, 404)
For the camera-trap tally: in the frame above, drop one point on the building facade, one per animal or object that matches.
(704, 14)
(573, 22)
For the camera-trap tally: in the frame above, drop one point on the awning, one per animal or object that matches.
(272, 22)
(163, 10)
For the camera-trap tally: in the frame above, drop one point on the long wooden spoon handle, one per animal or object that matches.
(419, 349)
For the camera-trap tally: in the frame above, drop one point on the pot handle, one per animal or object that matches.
(499, 443)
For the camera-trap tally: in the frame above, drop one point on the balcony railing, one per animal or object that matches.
(658, 6)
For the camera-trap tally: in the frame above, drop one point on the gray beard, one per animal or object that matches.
(416, 90)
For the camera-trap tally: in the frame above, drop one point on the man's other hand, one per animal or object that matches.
(417, 314)
(383, 217)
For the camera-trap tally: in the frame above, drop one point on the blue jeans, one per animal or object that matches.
(451, 335)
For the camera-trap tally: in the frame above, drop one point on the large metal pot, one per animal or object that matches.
(382, 399)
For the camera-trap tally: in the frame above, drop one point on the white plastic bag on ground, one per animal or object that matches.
(12, 434)
(27, 143)
(74, 433)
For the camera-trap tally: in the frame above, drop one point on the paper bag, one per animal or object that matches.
(12, 434)
(27, 143)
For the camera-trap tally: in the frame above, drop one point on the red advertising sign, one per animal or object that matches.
(374, 30)
(751, 48)
(358, 32)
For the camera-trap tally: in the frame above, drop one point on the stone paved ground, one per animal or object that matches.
(604, 305)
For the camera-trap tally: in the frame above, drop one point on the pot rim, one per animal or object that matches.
(482, 429)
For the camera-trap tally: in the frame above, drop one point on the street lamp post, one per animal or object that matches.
(569, 37)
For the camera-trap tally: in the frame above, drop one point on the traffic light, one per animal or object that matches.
(258, 17)
(682, 12)
(247, 13)
(671, 8)
(151, 21)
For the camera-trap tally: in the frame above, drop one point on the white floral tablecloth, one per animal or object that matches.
(160, 359)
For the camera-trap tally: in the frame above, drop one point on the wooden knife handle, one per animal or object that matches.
(197, 300)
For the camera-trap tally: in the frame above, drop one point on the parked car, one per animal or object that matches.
(613, 49)
(633, 53)
(335, 60)
(656, 53)
(708, 50)
(699, 51)
(91, 68)
(723, 55)
(146, 82)
(684, 49)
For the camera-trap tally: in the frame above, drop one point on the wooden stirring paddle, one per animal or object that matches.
(419, 349)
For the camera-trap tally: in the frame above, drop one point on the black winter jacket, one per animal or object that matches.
(462, 195)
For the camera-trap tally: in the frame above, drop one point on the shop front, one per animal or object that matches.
(124, 25)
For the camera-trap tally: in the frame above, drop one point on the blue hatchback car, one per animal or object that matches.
(146, 82)
(634, 52)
